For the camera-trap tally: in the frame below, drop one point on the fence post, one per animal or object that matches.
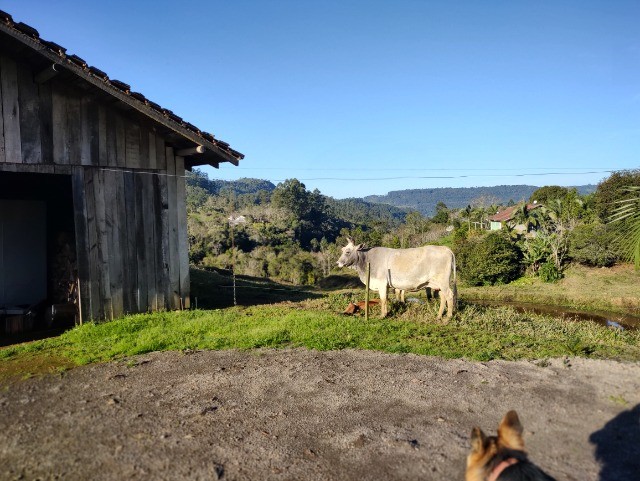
(366, 293)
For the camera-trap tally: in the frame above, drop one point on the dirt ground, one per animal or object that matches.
(299, 414)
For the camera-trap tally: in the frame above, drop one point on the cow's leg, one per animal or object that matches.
(383, 301)
(399, 295)
(451, 303)
(443, 301)
(447, 300)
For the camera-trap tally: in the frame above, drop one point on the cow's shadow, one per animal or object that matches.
(618, 446)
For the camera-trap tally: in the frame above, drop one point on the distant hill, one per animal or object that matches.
(358, 211)
(425, 200)
(353, 210)
(391, 207)
(242, 186)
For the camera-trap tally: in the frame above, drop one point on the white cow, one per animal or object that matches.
(406, 270)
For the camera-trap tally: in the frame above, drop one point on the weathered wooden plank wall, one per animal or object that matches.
(128, 190)
(10, 110)
(128, 236)
(183, 239)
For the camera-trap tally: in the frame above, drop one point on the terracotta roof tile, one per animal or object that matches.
(27, 30)
(507, 214)
(121, 85)
(80, 62)
(5, 17)
(54, 46)
(99, 73)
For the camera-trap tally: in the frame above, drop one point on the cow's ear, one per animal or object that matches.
(359, 247)
(350, 240)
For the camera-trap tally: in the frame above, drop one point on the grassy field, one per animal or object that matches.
(278, 316)
(615, 289)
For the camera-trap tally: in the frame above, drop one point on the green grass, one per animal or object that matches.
(314, 322)
(475, 333)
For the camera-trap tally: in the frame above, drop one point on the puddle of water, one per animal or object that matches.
(613, 320)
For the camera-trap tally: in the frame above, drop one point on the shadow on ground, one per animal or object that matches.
(618, 446)
(213, 289)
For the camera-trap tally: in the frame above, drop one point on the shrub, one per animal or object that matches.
(594, 245)
(549, 272)
(489, 260)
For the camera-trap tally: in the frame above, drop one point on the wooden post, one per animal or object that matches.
(79, 299)
(233, 263)
(366, 293)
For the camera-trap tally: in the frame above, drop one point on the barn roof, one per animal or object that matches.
(50, 59)
(507, 214)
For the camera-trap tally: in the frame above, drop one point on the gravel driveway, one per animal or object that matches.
(299, 414)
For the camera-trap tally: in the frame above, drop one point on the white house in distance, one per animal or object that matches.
(500, 218)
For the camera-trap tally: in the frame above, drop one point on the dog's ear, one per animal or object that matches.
(477, 441)
(510, 432)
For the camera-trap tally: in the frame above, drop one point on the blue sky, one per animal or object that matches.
(364, 97)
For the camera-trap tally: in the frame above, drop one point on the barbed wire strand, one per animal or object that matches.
(463, 176)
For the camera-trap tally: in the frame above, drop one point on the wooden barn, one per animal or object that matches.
(92, 188)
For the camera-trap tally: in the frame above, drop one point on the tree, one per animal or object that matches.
(594, 245)
(525, 216)
(293, 196)
(442, 214)
(611, 190)
(467, 213)
(492, 259)
(548, 193)
(628, 211)
(309, 213)
(535, 252)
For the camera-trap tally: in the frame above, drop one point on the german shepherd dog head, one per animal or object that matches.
(502, 457)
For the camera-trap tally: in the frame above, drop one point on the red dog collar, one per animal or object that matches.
(501, 467)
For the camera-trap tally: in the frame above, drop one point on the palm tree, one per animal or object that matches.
(467, 212)
(629, 209)
(524, 216)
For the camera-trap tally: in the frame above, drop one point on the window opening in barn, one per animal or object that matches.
(37, 253)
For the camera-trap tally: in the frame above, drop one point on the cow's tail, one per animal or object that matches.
(455, 282)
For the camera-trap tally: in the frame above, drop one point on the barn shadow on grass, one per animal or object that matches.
(213, 289)
(617, 446)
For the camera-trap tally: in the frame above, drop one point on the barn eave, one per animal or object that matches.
(51, 60)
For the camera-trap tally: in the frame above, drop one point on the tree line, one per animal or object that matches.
(425, 201)
(294, 235)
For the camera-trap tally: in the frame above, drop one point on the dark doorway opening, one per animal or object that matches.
(37, 254)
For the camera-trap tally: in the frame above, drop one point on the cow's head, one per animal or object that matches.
(349, 253)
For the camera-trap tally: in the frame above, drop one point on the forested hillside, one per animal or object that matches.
(285, 231)
(426, 200)
(289, 233)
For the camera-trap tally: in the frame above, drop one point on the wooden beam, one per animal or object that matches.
(47, 74)
(191, 151)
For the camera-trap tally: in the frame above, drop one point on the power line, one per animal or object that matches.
(538, 174)
(425, 169)
(351, 179)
